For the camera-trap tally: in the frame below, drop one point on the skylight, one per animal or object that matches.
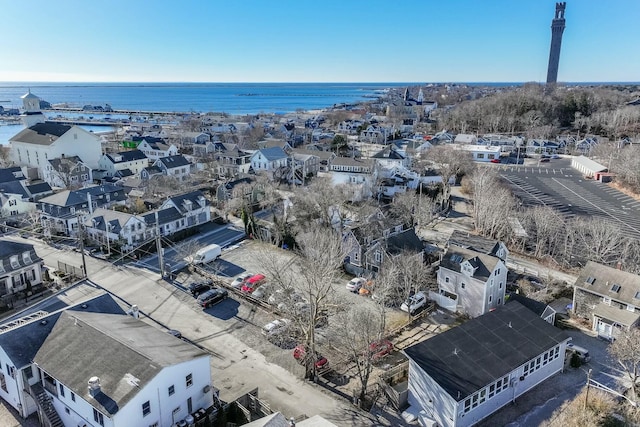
(590, 280)
(615, 288)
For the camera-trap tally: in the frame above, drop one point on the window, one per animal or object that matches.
(189, 380)
(146, 408)
(14, 262)
(446, 280)
(172, 390)
(462, 285)
(615, 288)
(490, 298)
(500, 285)
(28, 372)
(73, 396)
(61, 390)
(499, 301)
(497, 272)
(67, 410)
(26, 257)
(13, 202)
(98, 417)
(590, 280)
(480, 156)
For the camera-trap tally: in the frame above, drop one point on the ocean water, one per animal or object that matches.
(232, 98)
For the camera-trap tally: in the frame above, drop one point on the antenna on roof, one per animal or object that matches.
(455, 351)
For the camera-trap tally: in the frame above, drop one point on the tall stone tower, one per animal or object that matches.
(557, 28)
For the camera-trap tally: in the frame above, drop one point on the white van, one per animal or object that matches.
(582, 352)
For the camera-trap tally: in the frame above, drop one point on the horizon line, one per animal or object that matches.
(314, 82)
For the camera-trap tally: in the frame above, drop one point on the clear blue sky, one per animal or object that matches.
(315, 41)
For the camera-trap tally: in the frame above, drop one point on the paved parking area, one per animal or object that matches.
(557, 185)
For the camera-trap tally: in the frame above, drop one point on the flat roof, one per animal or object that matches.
(464, 359)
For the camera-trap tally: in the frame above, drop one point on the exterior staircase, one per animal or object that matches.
(48, 415)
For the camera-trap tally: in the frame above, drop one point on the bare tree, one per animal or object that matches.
(450, 163)
(492, 203)
(354, 341)
(601, 240)
(625, 350)
(319, 204)
(585, 410)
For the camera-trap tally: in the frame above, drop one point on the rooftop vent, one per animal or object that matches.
(94, 386)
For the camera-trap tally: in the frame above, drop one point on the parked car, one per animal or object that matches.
(414, 302)
(495, 160)
(545, 156)
(240, 280)
(583, 353)
(545, 160)
(196, 288)
(300, 352)
(212, 297)
(355, 284)
(379, 349)
(555, 156)
(253, 282)
(276, 327)
(262, 292)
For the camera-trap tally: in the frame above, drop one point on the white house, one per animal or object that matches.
(470, 282)
(19, 265)
(108, 227)
(155, 148)
(465, 138)
(359, 174)
(133, 161)
(175, 166)
(34, 146)
(269, 159)
(94, 365)
(193, 207)
(480, 153)
(461, 376)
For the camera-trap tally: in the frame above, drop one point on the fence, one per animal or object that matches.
(71, 270)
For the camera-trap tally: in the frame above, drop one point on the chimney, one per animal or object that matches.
(134, 311)
(89, 203)
(94, 386)
(619, 265)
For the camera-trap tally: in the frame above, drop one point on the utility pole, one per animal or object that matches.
(81, 237)
(586, 395)
(159, 248)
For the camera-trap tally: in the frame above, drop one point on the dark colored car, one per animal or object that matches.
(196, 288)
(212, 297)
(545, 160)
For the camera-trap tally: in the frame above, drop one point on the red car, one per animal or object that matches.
(379, 349)
(495, 160)
(300, 352)
(252, 283)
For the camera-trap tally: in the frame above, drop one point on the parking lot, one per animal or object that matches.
(557, 185)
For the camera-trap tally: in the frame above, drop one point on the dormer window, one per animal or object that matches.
(26, 257)
(590, 280)
(615, 288)
(14, 262)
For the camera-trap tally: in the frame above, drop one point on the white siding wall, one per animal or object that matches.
(156, 393)
(426, 394)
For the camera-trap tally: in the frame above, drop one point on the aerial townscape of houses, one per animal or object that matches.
(96, 363)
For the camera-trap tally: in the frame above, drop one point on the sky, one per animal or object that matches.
(315, 41)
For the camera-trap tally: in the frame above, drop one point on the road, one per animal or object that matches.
(174, 255)
(237, 368)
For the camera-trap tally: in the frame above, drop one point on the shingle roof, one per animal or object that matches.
(9, 174)
(473, 242)
(41, 133)
(466, 358)
(125, 353)
(193, 197)
(604, 280)
(13, 187)
(406, 240)
(72, 198)
(101, 217)
(126, 156)
(273, 153)
(171, 162)
(42, 187)
(21, 344)
(484, 264)
(164, 216)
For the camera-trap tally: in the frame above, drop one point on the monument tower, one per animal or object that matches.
(557, 28)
